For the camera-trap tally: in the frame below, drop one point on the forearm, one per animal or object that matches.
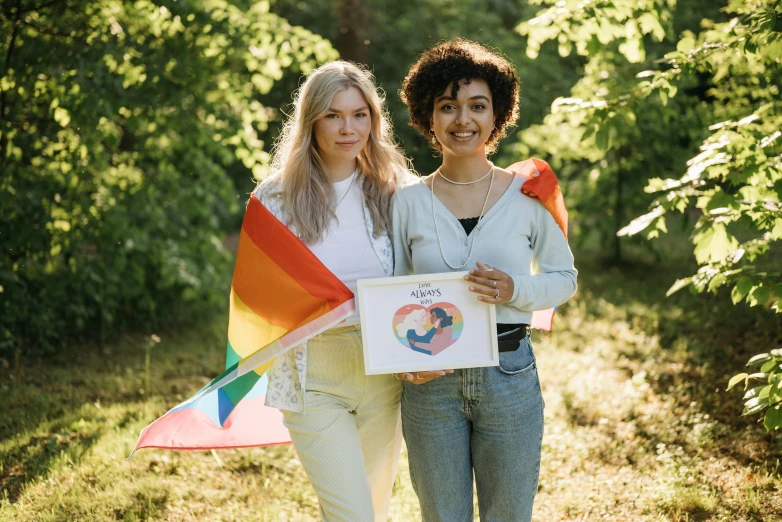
(543, 291)
(553, 277)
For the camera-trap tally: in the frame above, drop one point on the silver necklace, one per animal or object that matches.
(477, 226)
(491, 169)
(355, 175)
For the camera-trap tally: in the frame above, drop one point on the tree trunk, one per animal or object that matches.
(352, 43)
(618, 216)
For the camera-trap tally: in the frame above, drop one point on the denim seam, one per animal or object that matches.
(517, 372)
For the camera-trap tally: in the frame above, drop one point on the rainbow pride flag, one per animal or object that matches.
(541, 183)
(281, 296)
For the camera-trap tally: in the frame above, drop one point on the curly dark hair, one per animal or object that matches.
(449, 63)
(445, 319)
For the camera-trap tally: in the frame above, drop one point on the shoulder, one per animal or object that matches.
(410, 192)
(269, 188)
(405, 178)
(504, 176)
(269, 193)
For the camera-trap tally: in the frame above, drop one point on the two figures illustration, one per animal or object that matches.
(433, 340)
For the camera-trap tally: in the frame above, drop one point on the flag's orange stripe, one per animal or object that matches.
(544, 187)
(270, 291)
(291, 255)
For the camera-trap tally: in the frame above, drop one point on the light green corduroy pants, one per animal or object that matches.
(348, 438)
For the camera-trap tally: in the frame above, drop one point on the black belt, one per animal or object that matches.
(509, 336)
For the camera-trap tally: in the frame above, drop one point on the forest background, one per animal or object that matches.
(131, 133)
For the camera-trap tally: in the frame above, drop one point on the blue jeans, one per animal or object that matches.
(483, 420)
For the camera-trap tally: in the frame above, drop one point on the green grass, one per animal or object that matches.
(638, 425)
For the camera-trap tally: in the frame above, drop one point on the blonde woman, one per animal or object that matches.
(334, 171)
(413, 322)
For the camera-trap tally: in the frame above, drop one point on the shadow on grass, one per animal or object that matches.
(54, 410)
(35, 457)
(701, 341)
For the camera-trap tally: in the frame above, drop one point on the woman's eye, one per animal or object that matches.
(479, 106)
(447, 107)
(361, 115)
(331, 116)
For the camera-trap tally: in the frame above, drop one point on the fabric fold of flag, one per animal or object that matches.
(541, 183)
(281, 296)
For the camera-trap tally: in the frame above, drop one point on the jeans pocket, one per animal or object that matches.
(519, 361)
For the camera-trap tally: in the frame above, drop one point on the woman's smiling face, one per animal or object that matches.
(463, 124)
(343, 132)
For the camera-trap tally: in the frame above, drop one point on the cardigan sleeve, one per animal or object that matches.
(553, 278)
(403, 263)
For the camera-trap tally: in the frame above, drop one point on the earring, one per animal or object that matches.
(434, 138)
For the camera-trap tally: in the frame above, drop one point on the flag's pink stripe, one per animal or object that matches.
(173, 430)
(543, 319)
(251, 424)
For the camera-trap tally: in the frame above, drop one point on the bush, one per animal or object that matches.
(119, 121)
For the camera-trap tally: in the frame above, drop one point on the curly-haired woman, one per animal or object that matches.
(471, 214)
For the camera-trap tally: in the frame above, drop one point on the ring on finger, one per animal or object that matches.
(498, 293)
(494, 283)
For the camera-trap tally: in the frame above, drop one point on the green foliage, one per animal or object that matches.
(719, 86)
(399, 31)
(768, 394)
(604, 141)
(119, 123)
(735, 182)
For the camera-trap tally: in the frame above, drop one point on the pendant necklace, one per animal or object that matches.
(355, 175)
(477, 226)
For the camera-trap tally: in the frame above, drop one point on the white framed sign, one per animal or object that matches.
(425, 322)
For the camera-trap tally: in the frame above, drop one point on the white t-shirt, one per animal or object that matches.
(346, 249)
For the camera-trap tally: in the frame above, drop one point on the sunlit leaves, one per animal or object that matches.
(716, 86)
(768, 395)
(713, 243)
(122, 121)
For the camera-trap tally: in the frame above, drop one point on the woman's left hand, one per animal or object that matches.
(492, 284)
(421, 377)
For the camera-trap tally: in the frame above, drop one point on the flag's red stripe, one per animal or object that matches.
(291, 255)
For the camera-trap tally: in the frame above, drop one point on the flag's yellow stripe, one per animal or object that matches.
(247, 331)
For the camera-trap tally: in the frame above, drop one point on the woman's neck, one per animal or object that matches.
(339, 170)
(464, 169)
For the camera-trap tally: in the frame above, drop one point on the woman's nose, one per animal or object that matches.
(463, 116)
(347, 126)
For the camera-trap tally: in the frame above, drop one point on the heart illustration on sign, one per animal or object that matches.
(428, 329)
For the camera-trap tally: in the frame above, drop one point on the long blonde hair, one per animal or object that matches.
(307, 192)
(410, 322)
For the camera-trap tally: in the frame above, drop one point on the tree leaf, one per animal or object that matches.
(768, 366)
(686, 44)
(62, 116)
(773, 418)
(714, 244)
(753, 406)
(736, 379)
(641, 222)
(601, 138)
(678, 285)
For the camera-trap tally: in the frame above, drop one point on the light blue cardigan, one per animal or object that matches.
(518, 235)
